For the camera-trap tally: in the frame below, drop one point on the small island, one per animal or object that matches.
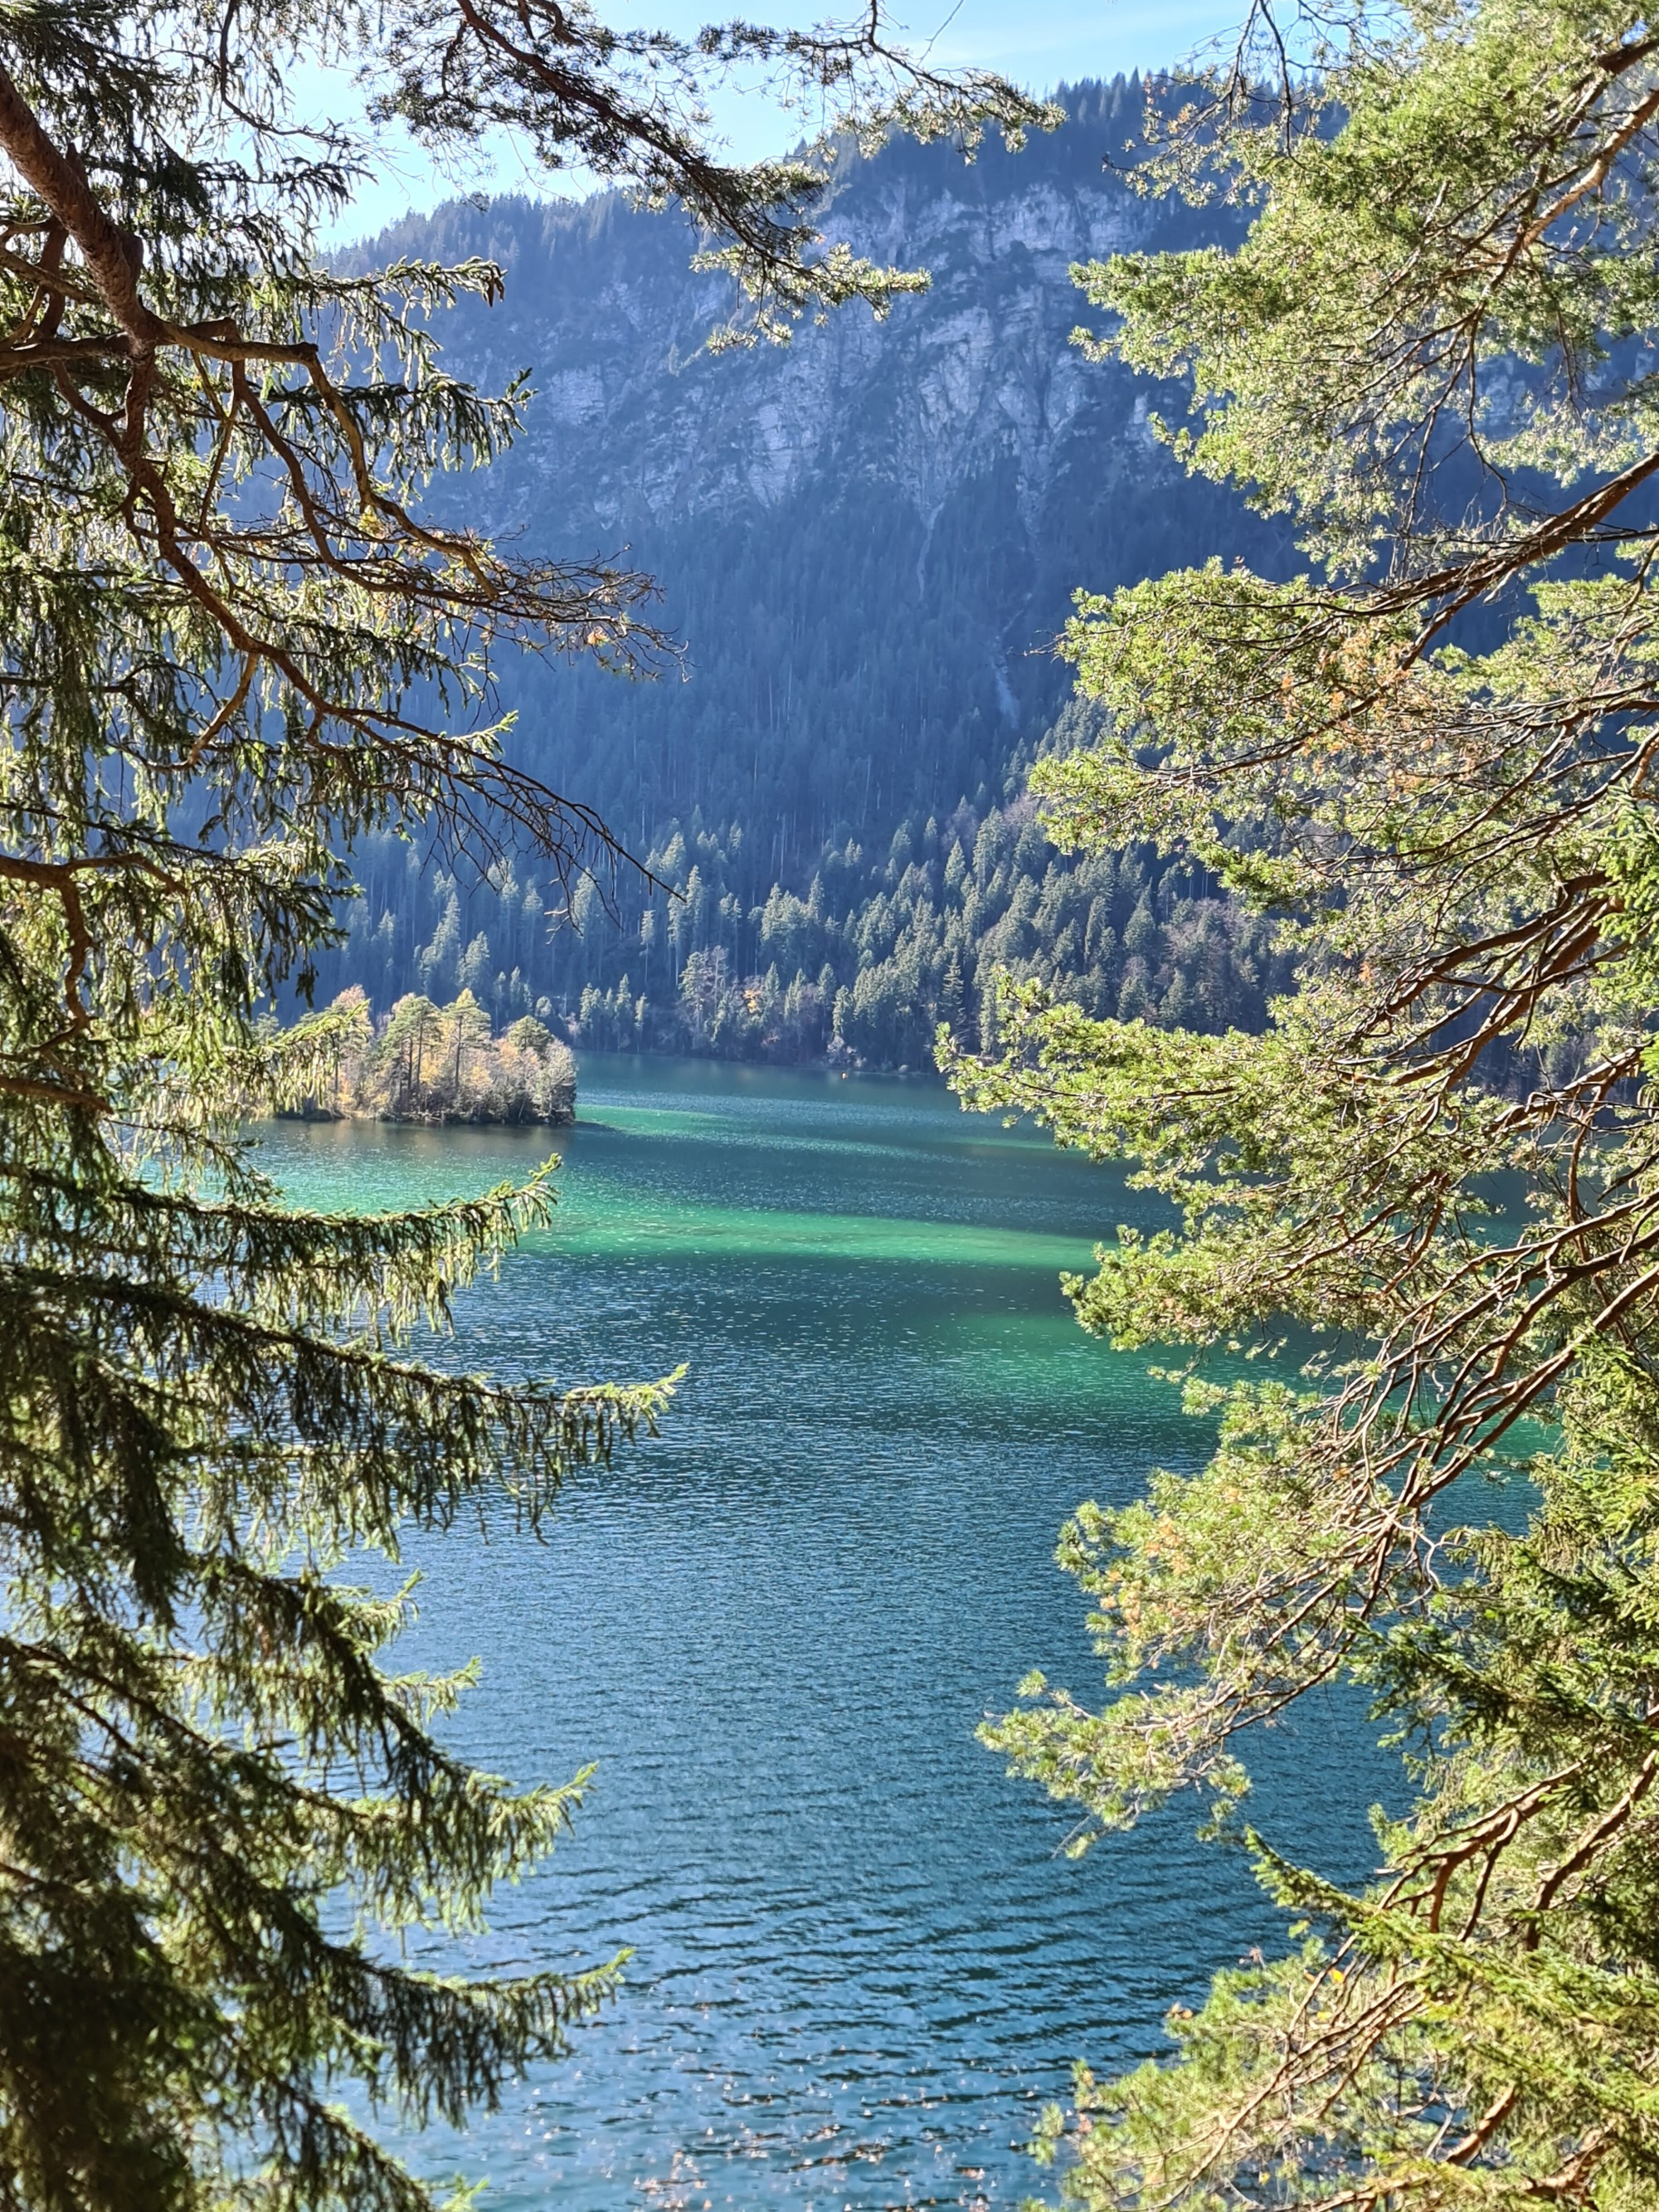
(436, 1065)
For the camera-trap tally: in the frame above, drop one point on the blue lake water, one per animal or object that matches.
(861, 1963)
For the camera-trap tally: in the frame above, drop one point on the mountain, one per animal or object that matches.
(868, 540)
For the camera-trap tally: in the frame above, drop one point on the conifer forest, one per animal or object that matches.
(1124, 607)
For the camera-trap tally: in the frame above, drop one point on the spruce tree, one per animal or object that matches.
(1433, 1183)
(232, 640)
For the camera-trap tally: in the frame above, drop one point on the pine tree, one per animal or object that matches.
(1433, 758)
(234, 644)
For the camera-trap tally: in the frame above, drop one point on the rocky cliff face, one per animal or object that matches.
(636, 426)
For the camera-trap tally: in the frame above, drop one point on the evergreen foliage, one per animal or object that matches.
(232, 646)
(862, 964)
(1433, 756)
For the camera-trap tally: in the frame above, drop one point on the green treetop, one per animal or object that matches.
(230, 642)
(1432, 756)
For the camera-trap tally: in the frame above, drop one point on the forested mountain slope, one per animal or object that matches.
(867, 541)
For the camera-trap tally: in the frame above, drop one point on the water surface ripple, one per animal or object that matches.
(860, 1961)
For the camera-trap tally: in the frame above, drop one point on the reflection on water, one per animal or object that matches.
(860, 1964)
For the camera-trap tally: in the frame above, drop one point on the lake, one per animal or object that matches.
(861, 1963)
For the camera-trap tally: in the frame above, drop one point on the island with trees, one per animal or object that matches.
(423, 1063)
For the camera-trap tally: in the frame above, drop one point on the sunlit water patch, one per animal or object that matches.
(861, 1962)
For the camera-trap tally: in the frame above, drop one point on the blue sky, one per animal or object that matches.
(1036, 42)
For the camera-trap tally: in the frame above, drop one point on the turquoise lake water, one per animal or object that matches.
(861, 1963)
